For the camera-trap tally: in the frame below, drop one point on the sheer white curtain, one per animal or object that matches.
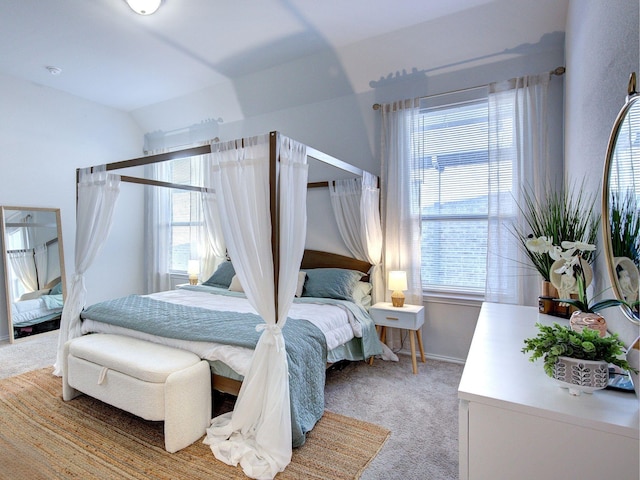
(400, 222)
(23, 266)
(157, 228)
(372, 231)
(257, 434)
(345, 200)
(355, 204)
(215, 245)
(518, 142)
(41, 260)
(97, 195)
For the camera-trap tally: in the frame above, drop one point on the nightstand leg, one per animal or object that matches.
(379, 328)
(419, 333)
(413, 352)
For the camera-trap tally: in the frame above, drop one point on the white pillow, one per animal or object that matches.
(235, 285)
(302, 276)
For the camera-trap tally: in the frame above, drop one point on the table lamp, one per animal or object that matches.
(193, 269)
(397, 283)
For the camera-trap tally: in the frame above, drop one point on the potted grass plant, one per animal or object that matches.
(557, 217)
(625, 225)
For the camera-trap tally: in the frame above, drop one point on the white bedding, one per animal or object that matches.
(27, 310)
(335, 322)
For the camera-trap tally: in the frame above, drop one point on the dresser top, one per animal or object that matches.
(497, 373)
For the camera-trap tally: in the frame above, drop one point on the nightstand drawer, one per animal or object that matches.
(410, 316)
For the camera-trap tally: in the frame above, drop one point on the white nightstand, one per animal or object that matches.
(408, 317)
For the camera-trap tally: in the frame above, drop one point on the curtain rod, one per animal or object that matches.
(556, 71)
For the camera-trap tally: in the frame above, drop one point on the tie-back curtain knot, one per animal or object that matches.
(275, 332)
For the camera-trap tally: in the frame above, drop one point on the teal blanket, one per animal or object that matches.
(305, 344)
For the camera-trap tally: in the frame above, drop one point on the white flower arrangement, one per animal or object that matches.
(570, 273)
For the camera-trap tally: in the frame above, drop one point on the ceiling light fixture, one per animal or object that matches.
(144, 7)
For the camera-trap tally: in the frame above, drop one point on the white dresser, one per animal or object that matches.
(515, 422)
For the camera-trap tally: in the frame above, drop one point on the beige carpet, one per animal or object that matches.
(43, 437)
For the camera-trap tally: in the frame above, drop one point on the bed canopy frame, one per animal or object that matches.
(276, 455)
(318, 258)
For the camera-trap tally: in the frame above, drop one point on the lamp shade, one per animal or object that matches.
(144, 7)
(193, 267)
(397, 280)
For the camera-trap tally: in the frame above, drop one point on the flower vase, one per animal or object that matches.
(548, 290)
(581, 320)
(579, 375)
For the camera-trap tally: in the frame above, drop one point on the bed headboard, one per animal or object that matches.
(318, 259)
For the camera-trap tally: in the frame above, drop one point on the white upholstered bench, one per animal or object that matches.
(152, 381)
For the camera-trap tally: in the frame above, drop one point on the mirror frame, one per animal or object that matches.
(8, 293)
(632, 98)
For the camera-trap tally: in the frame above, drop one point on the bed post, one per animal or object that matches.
(274, 203)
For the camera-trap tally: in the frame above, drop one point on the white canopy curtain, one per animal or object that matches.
(97, 195)
(518, 141)
(157, 228)
(24, 267)
(400, 222)
(257, 434)
(215, 245)
(356, 207)
(40, 257)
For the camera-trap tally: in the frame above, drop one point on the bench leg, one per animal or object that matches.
(68, 392)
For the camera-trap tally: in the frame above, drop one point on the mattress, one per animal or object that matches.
(337, 323)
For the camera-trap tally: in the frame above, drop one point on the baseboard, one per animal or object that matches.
(440, 358)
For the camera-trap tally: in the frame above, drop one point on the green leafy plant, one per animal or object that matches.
(560, 341)
(568, 216)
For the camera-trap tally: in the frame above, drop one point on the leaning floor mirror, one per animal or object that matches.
(33, 268)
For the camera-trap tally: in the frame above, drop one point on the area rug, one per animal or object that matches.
(43, 437)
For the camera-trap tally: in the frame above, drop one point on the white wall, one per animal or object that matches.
(602, 50)
(44, 136)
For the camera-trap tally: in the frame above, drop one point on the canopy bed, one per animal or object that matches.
(259, 190)
(33, 269)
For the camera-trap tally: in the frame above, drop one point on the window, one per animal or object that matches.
(450, 151)
(186, 217)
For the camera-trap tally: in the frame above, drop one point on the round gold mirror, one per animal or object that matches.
(621, 204)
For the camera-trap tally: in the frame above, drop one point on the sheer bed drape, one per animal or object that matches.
(257, 434)
(97, 195)
(23, 266)
(356, 207)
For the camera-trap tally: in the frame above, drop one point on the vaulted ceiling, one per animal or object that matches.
(108, 54)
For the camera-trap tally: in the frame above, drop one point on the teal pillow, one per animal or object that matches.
(222, 276)
(57, 289)
(337, 283)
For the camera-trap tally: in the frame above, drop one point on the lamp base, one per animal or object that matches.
(397, 299)
(193, 281)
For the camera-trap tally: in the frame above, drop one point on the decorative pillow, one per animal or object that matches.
(362, 294)
(235, 285)
(222, 276)
(335, 283)
(57, 289)
(302, 277)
